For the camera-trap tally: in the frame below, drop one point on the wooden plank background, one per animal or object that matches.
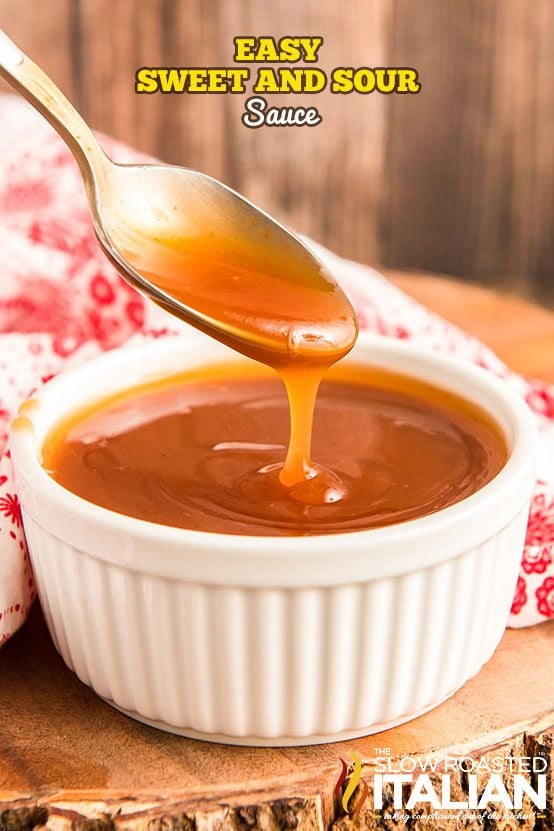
(458, 179)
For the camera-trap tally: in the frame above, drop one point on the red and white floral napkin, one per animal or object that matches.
(61, 303)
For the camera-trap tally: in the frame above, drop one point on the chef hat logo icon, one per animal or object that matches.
(351, 781)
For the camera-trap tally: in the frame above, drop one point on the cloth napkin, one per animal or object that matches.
(61, 303)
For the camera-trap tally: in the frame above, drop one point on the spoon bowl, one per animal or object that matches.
(208, 255)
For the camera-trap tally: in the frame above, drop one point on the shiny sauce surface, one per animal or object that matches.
(204, 450)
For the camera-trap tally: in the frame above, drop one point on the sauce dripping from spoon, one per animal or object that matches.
(272, 301)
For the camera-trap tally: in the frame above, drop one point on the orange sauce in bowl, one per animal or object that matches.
(204, 450)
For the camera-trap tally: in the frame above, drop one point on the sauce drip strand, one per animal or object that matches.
(203, 451)
(266, 296)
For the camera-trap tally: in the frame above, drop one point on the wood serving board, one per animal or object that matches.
(72, 762)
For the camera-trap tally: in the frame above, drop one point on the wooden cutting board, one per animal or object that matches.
(69, 760)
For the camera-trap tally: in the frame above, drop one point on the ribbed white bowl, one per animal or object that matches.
(272, 641)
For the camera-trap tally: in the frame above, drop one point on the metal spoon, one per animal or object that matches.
(165, 202)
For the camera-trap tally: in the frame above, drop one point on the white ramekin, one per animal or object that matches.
(271, 640)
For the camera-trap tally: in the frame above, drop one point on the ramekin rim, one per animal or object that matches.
(520, 461)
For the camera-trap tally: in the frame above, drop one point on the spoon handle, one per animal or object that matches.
(31, 82)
